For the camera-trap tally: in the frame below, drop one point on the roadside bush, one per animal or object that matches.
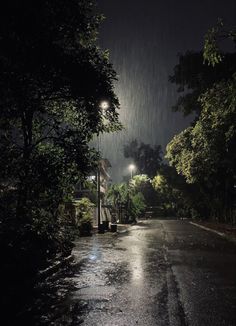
(84, 216)
(127, 198)
(29, 243)
(138, 205)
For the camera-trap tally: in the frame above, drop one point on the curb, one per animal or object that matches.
(221, 234)
(127, 228)
(121, 228)
(122, 231)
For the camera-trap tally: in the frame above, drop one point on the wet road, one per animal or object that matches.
(161, 272)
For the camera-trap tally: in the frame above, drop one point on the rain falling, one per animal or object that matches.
(144, 40)
(145, 232)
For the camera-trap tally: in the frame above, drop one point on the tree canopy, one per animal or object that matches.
(198, 71)
(205, 152)
(146, 158)
(52, 80)
(127, 200)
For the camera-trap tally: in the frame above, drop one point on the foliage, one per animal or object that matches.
(137, 205)
(84, 216)
(158, 182)
(200, 151)
(53, 77)
(212, 53)
(117, 194)
(139, 181)
(167, 196)
(142, 183)
(193, 78)
(146, 158)
(174, 195)
(125, 196)
(205, 154)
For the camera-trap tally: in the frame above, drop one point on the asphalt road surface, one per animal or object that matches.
(161, 272)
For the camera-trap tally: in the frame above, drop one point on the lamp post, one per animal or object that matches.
(98, 196)
(104, 105)
(131, 168)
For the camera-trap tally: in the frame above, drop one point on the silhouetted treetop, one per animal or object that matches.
(193, 77)
(147, 158)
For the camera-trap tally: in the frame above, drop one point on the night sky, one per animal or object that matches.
(144, 38)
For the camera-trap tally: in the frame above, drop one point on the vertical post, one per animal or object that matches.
(98, 188)
(104, 105)
(98, 197)
(100, 226)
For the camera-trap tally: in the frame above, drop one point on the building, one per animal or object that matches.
(95, 188)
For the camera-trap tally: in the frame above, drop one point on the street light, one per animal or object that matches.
(104, 105)
(131, 168)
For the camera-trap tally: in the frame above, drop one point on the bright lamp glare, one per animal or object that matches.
(131, 167)
(104, 105)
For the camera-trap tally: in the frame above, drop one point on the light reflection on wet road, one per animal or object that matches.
(160, 273)
(118, 281)
(165, 273)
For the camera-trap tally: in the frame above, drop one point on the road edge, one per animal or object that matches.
(221, 234)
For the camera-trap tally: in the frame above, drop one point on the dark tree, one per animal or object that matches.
(193, 77)
(52, 79)
(204, 154)
(176, 197)
(146, 158)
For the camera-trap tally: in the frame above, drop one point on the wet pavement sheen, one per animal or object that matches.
(161, 272)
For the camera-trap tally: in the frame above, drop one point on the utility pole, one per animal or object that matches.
(98, 197)
(104, 105)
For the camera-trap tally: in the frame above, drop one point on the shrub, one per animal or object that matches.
(84, 216)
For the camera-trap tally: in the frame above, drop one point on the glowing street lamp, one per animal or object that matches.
(104, 105)
(131, 168)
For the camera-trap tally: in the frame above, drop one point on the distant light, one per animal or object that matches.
(131, 167)
(91, 177)
(104, 105)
